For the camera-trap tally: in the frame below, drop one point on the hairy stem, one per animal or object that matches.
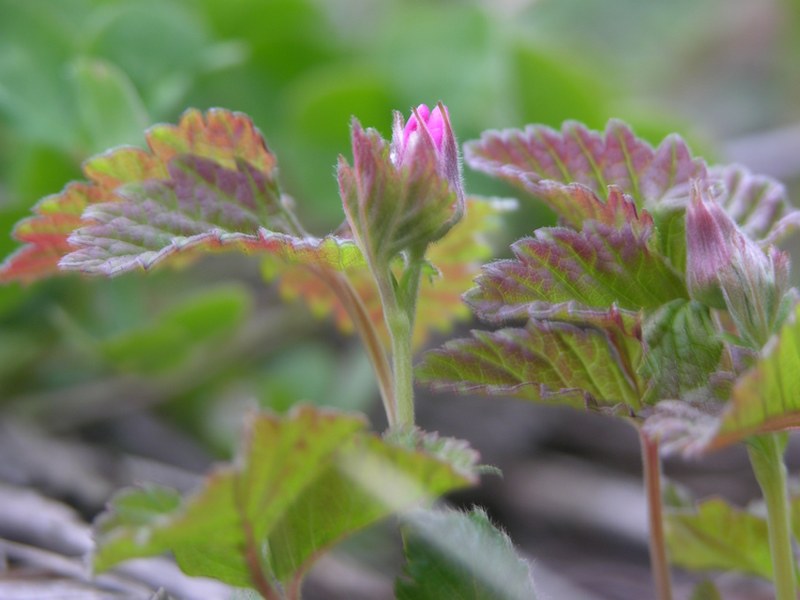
(659, 563)
(766, 457)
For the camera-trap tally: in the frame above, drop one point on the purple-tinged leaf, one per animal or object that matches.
(589, 366)
(757, 203)
(201, 206)
(219, 135)
(542, 161)
(599, 266)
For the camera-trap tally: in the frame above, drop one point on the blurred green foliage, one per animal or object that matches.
(78, 76)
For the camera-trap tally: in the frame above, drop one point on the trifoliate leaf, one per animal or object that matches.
(589, 366)
(542, 162)
(218, 135)
(683, 349)
(300, 484)
(599, 266)
(452, 554)
(717, 536)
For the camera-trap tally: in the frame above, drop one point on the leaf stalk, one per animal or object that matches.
(659, 562)
(766, 457)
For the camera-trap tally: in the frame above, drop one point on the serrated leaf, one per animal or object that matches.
(300, 484)
(683, 349)
(765, 399)
(451, 554)
(759, 204)
(542, 162)
(718, 536)
(218, 135)
(591, 366)
(599, 266)
(456, 257)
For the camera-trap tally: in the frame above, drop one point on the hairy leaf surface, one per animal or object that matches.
(543, 162)
(759, 204)
(765, 399)
(451, 554)
(581, 366)
(599, 266)
(683, 349)
(299, 485)
(221, 136)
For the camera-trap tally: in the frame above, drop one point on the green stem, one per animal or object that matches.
(766, 457)
(399, 308)
(659, 562)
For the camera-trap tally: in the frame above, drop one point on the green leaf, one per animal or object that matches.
(452, 554)
(683, 349)
(300, 484)
(705, 590)
(600, 266)
(109, 108)
(175, 335)
(765, 398)
(718, 536)
(591, 365)
(543, 163)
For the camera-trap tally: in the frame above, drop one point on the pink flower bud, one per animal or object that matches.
(434, 121)
(408, 197)
(726, 269)
(427, 138)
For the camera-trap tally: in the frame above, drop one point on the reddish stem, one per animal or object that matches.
(659, 563)
(369, 337)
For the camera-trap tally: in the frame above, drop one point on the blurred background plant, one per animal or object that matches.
(195, 347)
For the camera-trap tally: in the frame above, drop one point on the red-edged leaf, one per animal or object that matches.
(581, 366)
(757, 203)
(218, 135)
(300, 484)
(606, 263)
(541, 161)
(457, 257)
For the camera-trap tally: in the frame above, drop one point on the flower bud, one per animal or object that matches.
(404, 194)
(427, 136)
(726, 269)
